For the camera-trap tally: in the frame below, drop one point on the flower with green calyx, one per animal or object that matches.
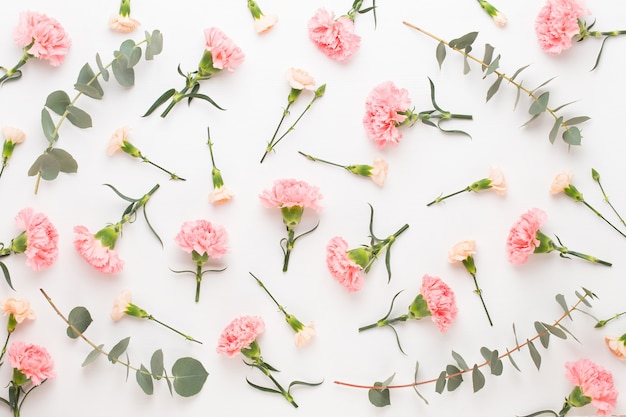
(12, 136)
(617, 345)
(596, 177)
(562, 184)
(377, 171)
(55, 160)
(304, 334)
(298, 80)
(123, 305)
(122, 22)
(18, 311)
(220, 53)
(240, 336)
(495, 181)
(498, 17)
(602, 323)
(263, 23)
(220, 194)
(119, 142)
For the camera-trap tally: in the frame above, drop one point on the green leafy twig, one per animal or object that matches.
(188, 374)
(54, 160)
(463, 45)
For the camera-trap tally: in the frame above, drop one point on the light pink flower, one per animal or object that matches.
(334, 37)
(123, 24)
(203, 237)
(49, 39)
(461, 251)
(42, 238)
(522, 238)
(500, 19)
(305, 335)
(557, 23)
(440, 300)
(13, 134)
(32, 360)
(225, 54)
(117, 140)
(265, 23)
(221, 195)
(616, 346)
(240, 334)
(342, 268)
(379, 171)
(595, 382)
(498, 183)
(19, 308)
(560, 182)
(291, 193)
(122, 301)
(299, 79)
(102, 258)
(382, 108)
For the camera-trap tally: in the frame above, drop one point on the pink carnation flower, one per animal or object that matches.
(382, 118)
(102, 258)
(224, 52)
(334, 37)
(291, 193)
(41, 238)
(48, 38)
(440, 300)
(595, 383)
(240, 334)
(343, 269)
(557, 24)
(522, 238)
(31, 360)
(203, 237)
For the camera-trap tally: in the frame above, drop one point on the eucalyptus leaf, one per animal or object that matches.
(493, 67)
(89, 82)
(58, 101)
(155, 44)
(417, 367)
(49, 130)
(543, 84)
(486, 353)
(495, 363)
(78, 117)
(466, 66)
(88, 91)
(124, 75)
(189, 376)
(66, 162)
(102, 68)
(129, 49)
(494, 88)
(540, 105)
(464, 41)
(478, 379)
(555, 129)
(156, 364)
(576, 120)
(572, 136)
(568, 332)
(534, 354)
(144, 380)
(542, 332)
(556, 109)
(488, 55)
(581, 298)
(555, 331)
(516, 73)
(45, 165)
(459, 360)
(441, 382)
(515, 335)
(387, 381)
(440, 53)
(379, 397)
(531, 119)
(80, 318)
(7, 275)
(93, 355)
(510, 356)
(118, 349)
(517, 96)
(560, 298)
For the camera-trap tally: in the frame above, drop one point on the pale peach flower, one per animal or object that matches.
(500, 19)
(119, 306)
(123, 24)
(560, 182)
(379, 171)
(117, 140)
(265, 23)
(305, 335)
(19, 308)
(461, 251)
(221, 195)
(616, 346)
(13, 134)
(498, 183)
(299, 79)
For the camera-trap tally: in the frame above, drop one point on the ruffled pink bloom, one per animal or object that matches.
(382, 108)
(203, 237)
(440, 300)
(19, 308)
(32, 360)
(102, 258)
(557, 24)
(342, 268)
(595, 382)
(291, 193)
(240, 334)
(42, 238)
(334, 37)
(50, 42)
(225, 54)
(522, 238)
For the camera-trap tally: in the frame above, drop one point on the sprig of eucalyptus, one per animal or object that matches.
(54, 160)
(452, 375)
(187, 377)
(571, 134)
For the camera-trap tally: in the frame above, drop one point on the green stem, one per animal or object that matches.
(480, 294)
(283, 391)
(210, 144)
(312, 158)
(602, 323)
(606, 198)
(268, 293)
(288, 247)
(597, 33)
(564, 251)
(293, 125)
(198, 281)
(440, 199)
(4, 348)
(384, 322)
(171, 174)
(150, 317)
(271, 144)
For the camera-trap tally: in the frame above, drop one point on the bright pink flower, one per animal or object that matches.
(48, 37)
(522, 238)
(342, 268)
(102, 258)
(32, 360)
(41, 238)
(382, 108)
(240, 334)
(557, 24)
(203, 237)
(223, 50)
(440, 300)
(334, 37)
(595, 383)
(291, 193)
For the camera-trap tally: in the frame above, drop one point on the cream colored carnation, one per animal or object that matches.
(498, 183)
(117, 140)
(461, 251)
(221, 195)
(19, 308)
(13, 134)
(119, 306)
(123, 24)
(265, 23)
(379, 171)
(616, 346)
(299, 79)
(305, 335)
(560, 182)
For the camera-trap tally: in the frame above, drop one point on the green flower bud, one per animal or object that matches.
(364, 170)
(483, 184)
(573, 192)
(360, 256)
(292, 215)
(108, 235)
(577, 398)
(419, 308)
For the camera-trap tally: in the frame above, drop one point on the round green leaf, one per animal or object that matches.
(189, 376)
(80, 318)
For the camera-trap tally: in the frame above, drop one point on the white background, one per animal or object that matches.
(425, 164)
